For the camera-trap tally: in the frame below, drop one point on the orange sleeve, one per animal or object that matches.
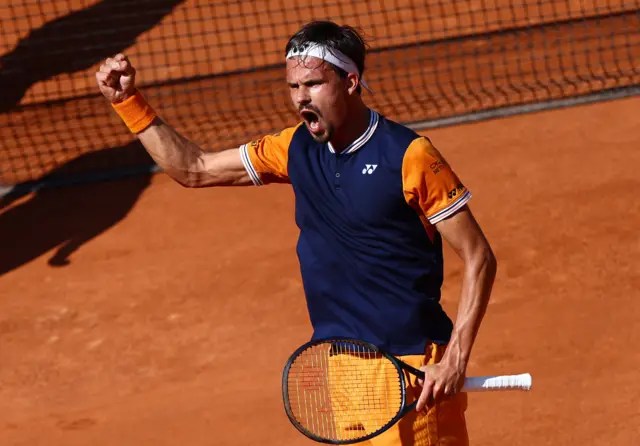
(430, 185)
(266, 159)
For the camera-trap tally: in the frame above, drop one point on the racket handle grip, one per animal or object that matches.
(495, 383)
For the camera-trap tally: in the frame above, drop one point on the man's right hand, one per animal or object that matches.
(116, 79)
(181, 159)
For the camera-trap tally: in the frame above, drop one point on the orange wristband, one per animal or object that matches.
(136, 113)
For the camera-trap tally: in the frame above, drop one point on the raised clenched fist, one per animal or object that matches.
(116, 78)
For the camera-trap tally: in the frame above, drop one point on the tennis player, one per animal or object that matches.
(373, 201)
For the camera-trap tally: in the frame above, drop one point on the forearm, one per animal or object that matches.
(477, 282)
(180, 158)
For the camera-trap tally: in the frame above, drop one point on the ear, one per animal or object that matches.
(352, 81)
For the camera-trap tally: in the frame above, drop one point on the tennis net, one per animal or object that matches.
(214, 69)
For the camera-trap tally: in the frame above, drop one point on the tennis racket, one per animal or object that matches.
(343, 391)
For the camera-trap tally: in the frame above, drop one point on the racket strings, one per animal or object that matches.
(343, 391)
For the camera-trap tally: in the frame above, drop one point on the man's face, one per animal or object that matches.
(319, 94)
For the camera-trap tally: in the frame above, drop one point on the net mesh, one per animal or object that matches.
(342, 391)
(214, 69)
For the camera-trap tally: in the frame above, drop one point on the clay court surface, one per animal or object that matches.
(178, 309)
(172, 325)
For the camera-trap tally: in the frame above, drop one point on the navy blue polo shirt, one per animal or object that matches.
(370, 256)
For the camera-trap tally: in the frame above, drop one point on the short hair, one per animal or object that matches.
(343, 38)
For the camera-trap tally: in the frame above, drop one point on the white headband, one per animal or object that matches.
(327, 54)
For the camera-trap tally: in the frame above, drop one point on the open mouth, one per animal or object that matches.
(312, 120)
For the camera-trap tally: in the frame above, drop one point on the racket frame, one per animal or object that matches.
(399, 365)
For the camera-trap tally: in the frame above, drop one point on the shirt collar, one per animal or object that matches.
(366, 136)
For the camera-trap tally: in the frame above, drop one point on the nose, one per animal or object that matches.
(302, 96)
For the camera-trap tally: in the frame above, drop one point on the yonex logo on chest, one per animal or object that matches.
(369, 169)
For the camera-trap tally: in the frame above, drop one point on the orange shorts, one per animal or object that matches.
(442, 425)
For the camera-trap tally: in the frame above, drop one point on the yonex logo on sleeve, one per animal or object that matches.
(369, 169)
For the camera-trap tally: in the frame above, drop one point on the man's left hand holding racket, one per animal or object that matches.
(444, 379)
(343, 391)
